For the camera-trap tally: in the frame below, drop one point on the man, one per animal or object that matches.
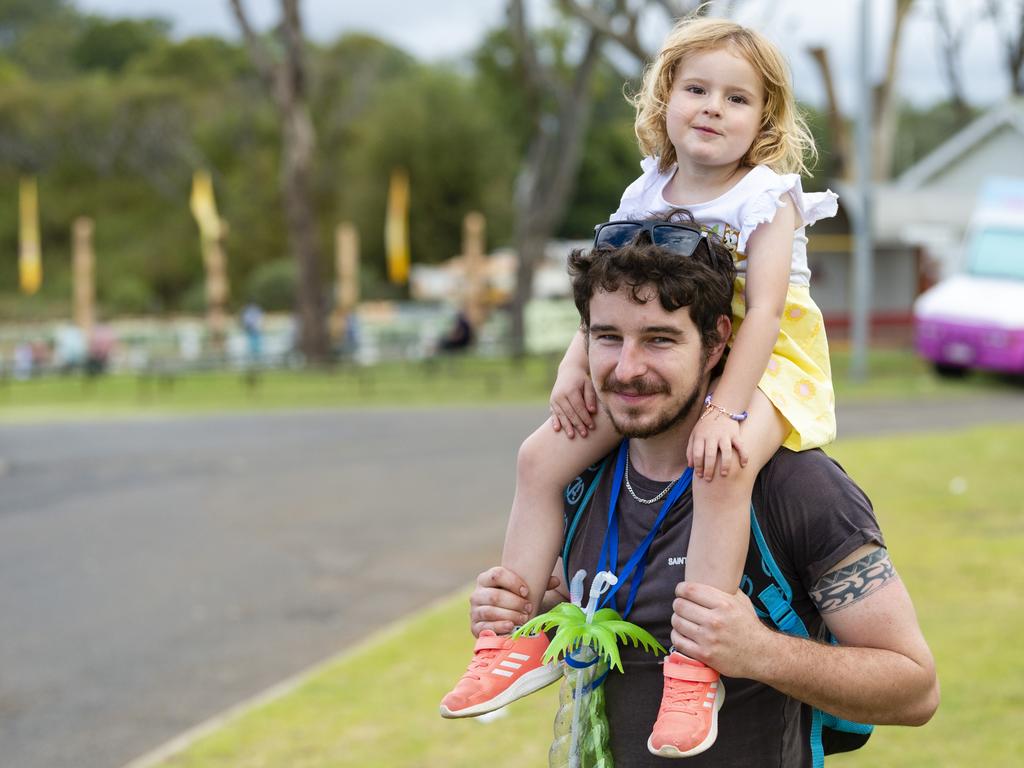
(656, 325)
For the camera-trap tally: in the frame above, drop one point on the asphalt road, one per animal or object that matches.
(155, 572)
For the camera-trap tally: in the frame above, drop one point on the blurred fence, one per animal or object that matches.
(377, 333)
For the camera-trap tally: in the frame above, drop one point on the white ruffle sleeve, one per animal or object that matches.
(760, 207)
(635, 204)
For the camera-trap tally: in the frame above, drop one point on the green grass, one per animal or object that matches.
(438, 382)
(378, 707)
(894, 373)
(952, 508)
(953, 512)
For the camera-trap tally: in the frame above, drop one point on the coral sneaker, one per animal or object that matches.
(687, 722)
(502, 670)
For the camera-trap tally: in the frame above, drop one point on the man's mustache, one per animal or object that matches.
(634, 387)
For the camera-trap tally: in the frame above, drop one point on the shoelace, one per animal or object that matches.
(677, 695)
(481, 660)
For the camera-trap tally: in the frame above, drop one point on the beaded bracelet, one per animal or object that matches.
(709, 406)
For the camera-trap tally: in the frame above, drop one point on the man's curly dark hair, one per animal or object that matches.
(702, 282)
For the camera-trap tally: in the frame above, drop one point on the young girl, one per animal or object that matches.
(717, 121)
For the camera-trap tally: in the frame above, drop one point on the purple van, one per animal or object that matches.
(975, 319)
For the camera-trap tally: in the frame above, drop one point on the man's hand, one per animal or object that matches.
(718, 629)
(499, 601)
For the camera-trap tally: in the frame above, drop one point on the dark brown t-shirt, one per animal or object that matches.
(812, 515)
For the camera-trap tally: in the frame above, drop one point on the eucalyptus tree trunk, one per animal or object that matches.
(885, 111)
(548, 172)
(1008, 19)
(284, 75)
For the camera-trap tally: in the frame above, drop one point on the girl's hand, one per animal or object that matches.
(573, 401)
(714, 435)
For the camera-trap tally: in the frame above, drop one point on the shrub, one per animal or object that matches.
(272, 285)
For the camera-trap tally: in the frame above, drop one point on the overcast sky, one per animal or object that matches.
(450, 28)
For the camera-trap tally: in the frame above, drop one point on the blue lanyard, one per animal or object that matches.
(637, 564)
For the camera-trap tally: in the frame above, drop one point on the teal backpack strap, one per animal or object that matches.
(817, 746)
(777, 599)
(840, 724)
(582, 502)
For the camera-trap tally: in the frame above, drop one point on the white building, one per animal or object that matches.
(919, 219)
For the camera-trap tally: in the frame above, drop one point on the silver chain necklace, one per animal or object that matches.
(659, 497)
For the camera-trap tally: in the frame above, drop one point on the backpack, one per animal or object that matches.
(772, 596)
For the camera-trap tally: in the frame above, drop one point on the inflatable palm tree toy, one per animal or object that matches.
(587, 640)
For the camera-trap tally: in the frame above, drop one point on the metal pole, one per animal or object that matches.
(863, 244)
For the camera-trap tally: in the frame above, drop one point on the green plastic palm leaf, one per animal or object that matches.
(603, 633)
(562, 615)
(567, 638)
(603, 641)
(626, 631)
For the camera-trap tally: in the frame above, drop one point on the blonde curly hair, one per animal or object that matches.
(784, 141)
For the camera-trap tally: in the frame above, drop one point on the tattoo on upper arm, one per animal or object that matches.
(845, 586)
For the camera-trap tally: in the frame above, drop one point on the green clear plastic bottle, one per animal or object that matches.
(592, 725)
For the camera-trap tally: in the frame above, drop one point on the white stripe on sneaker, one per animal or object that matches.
(520, 656)
(513, 665)
(506, 673)
(707, 704)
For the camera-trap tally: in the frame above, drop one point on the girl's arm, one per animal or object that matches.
(573, 399)
(769, 253)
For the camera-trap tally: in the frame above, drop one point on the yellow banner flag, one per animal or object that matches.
(30, 262)
(396, 227)
(204, 208)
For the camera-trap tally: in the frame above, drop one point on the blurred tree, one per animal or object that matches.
(205, 63)
(609, 155)
(952, 34)
(285, 77)
(885, 112)
(110, 44)
(925, 128)
(346, 80)
(272, 285)
(119, 143)
(557, 98)
(18, 15)
(610, 158)
(39, 35)
(458, 155)
(1008, 18)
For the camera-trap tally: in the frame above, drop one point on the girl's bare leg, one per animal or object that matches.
(715, 556)
(721, 507)
(548, 461)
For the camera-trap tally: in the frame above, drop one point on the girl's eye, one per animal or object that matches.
(738, 99)
(695, 89)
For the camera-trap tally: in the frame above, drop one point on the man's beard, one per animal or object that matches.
(641, 386)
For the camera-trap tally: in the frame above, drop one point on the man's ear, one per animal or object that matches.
(724, 328)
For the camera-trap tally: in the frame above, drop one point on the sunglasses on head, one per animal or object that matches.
(679, 237)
